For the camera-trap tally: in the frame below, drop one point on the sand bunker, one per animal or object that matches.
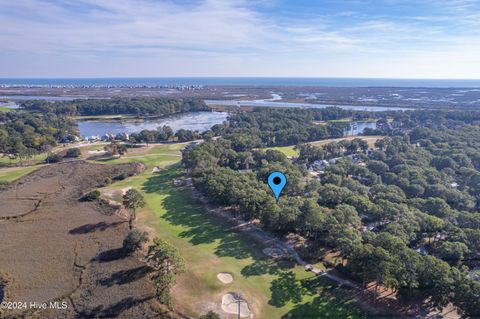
(96, 152)
(230, 303)
(273, 252)
(225, 277)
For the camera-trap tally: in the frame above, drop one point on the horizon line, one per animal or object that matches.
(242, 76)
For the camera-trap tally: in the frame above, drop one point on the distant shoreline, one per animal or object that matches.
(375, 98)
(242, 81)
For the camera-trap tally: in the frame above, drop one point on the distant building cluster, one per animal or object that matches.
(70, 139)
(109, 86)
(108, 137)
(319, 165)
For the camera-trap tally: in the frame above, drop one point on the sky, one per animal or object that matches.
(271, 38)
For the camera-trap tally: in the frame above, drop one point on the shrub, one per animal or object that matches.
(107, 181)
(120, 177)
(53, 158)
(73, 152)
(3, 185)
(210, 315)
(91, 196)
(134, 240)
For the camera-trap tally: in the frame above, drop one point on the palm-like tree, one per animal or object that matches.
(132, 200)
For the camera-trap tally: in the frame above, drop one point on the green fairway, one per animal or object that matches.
(11, 174)
(209, 246)
(5, 109)
(158, 155)
(287, 150)
(35, 159)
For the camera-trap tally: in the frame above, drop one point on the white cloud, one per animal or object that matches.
(123, 24)
(220, 37)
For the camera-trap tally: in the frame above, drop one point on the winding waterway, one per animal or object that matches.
(276, 103)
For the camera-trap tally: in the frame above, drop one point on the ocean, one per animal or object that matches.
(249, 81)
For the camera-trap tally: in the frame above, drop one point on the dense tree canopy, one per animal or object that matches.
(24, 134)
(404, 214)
(136, 106)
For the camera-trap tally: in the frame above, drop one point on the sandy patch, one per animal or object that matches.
(96, 152)
(112, 192)
(225, 277)
(125, 189)
(230, 304)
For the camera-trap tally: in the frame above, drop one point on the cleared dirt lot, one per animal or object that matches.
(54, 247)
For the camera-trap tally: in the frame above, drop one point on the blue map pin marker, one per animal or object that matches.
(277, 182)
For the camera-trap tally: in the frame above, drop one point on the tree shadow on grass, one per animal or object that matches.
(106, 159)
(180, 210)
(316, 284)
(286, 288)
(231, 245)
(201, 227)
(331, 301)
(160, 182)
(267, 266)
(125, 276)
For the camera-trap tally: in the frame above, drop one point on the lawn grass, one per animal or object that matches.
(5, 109)
(40, 157)
(158, 155)
(287, 150)
(209, 246)
(35, 159)
(9, 175)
